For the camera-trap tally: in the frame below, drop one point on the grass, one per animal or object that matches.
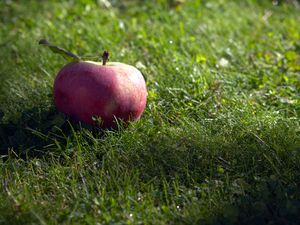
(217, 144)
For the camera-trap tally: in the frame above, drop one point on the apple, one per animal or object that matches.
(99, 93)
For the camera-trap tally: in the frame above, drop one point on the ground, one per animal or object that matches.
(218, 143)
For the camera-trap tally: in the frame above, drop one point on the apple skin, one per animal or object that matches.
(86, 90)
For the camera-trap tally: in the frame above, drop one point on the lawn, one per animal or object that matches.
(218, 143)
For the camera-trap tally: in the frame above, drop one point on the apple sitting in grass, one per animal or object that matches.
(97, 93)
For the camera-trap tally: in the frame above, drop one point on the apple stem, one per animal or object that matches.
(105, 57)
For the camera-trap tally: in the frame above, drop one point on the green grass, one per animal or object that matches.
(218, 143)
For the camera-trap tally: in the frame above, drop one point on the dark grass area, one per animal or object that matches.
(217, 144)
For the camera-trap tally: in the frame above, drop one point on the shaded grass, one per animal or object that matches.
(217, 144)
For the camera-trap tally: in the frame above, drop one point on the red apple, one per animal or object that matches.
(91, 92)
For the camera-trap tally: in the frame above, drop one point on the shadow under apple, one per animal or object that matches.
(35, 130)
